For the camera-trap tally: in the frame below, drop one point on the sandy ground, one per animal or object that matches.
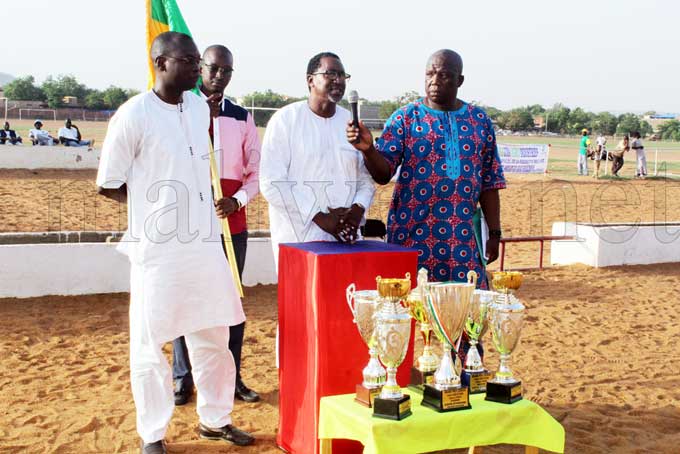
(599, 349)
(599, 352)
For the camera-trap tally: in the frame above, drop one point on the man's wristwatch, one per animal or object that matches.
(495, 234)
(238, 203)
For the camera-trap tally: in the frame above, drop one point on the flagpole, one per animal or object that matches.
(226, 232)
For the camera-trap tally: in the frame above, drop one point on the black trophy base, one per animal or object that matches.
(504, 393)
(365, 395)
(395, 409)
(419, 379)
(476, 381)
(447, 400)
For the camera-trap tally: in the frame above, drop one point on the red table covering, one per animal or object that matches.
(320, 350)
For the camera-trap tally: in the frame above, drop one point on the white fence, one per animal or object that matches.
(45, 157)
(29, 270)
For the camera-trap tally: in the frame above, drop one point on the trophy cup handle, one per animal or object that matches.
(349, 294)
(472, 277)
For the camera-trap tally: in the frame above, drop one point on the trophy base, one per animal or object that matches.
(504, 393)
(447, 400)
(419, 379)
(395, 409)
(476, 381)
(365, 396)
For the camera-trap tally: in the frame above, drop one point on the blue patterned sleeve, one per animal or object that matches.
(492, 169)
(391, 142)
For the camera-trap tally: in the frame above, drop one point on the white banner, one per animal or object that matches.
(524, 158)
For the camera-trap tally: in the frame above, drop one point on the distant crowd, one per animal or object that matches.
(69, 136)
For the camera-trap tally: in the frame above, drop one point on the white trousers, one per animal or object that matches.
(151, 378)
(641, 162)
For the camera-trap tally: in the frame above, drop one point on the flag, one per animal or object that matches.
(162, 16)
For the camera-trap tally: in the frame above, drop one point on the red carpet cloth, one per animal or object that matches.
(320, 350)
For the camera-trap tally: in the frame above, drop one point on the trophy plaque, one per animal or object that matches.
(393, 330)
(447, 305)
(423, 371)
(506, 315)
(364, 304)
(474, 374)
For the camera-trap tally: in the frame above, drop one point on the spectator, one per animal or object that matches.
(10, 135)
(70, 136)
(636, 145)
(583, 153)
(40, 136)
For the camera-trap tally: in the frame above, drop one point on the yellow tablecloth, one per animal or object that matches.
(486, 423)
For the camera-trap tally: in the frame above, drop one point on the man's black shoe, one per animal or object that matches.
(182, 393)
(228, 433)
(244, 393)
(157, 447)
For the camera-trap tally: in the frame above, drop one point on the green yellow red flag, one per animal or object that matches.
(162, 16)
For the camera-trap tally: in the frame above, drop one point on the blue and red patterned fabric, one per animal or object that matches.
(447, 159)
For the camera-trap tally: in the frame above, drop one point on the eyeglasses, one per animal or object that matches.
(214, 69)
(333, 75)
(190, 61)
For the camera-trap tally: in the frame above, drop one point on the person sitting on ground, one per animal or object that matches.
(70, 136)
(9, 135)
(40, 136)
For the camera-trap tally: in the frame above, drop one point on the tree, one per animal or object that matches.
(670, 130)
(558, 118)
(95, 100)
(519, 119)
(605, 123)
(536, 109)
(629, 123)
(63, 85)
(387, 108)
(408, 97)
(266, 99)
(578, 120)
(24, 89)
(114, 97)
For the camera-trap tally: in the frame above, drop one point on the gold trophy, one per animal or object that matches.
(426, 364)
(364, 304)
(474, 374)
(447, 305)
(506, 316)
(392, 331)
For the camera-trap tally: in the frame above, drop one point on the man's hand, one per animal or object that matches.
(349, 223)
(215, 104)
(225, 206)
(492, 249)
(328, 222)
(360, 137)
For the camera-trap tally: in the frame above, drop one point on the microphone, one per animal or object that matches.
(354, 106)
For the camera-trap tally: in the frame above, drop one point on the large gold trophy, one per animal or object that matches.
(426, 364)
(392, 331)
(447, 305)
(364, 304)
(506, 316)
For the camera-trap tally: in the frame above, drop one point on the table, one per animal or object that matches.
(320, 350)
(486, 423)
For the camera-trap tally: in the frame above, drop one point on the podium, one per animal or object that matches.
(320, 350)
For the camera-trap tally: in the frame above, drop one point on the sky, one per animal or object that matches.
(618, 56)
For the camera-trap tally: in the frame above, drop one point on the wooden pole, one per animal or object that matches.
(226, 233)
